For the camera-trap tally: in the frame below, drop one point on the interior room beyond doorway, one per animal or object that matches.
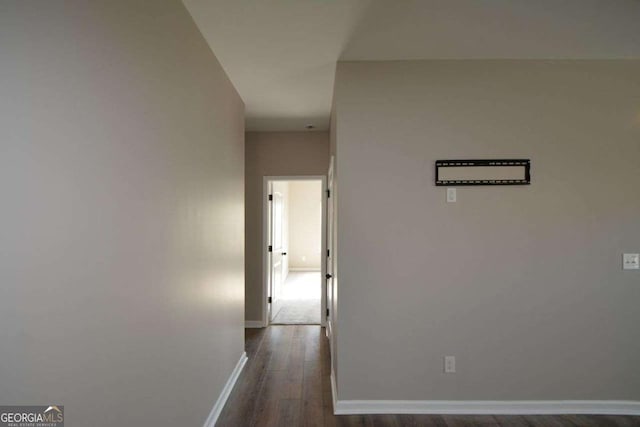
(295, 257)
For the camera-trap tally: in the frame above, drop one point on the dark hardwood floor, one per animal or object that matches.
(286, 383)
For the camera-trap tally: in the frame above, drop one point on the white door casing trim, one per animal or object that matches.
(265, 241)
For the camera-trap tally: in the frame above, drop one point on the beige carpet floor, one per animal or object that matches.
(300, 301)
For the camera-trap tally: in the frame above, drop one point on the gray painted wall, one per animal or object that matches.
(522, 284)
(273, 154)
(122, 220)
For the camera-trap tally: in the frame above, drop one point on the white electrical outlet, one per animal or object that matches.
(631, 261)
(451, 195)
(449, 364)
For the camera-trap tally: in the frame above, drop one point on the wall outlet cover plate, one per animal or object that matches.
(631, 261)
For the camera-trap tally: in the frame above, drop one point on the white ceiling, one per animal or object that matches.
(281, 54)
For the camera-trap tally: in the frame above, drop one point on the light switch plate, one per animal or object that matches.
(451, 195)
(631, 261)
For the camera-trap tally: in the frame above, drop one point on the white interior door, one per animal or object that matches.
(277, 251)
(268, 265)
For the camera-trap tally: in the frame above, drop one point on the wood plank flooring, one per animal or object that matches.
(286, 383)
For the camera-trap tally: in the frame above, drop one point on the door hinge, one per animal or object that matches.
(328, 193)
(327, 312)
(269, 300)
(270, 248)
(271, 197)
(328, 253)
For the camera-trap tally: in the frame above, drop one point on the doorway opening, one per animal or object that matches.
(295, 216)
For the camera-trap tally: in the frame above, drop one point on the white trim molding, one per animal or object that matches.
(253, 324)
(305, 269)
(334, 393)
(226, 391)
(266, 180)
(480, 407)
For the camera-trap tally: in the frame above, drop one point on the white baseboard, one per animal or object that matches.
(294, 269)
(334, 392)
(253, 324)
(479, 407)
(226, 391)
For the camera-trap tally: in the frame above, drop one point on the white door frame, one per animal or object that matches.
(265, 242)
(330, 240)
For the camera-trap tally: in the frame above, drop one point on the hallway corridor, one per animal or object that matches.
(286, 383)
